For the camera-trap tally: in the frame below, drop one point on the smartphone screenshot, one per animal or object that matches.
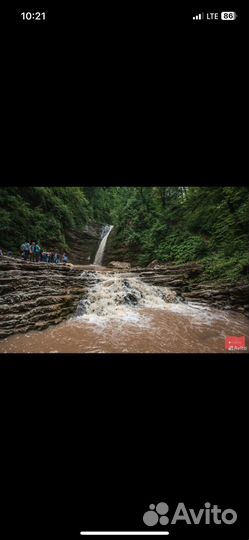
(124, 271)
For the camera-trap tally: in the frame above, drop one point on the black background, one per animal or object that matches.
(118, 96)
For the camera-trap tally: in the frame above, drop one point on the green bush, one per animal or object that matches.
(227, 269)
(181, 249)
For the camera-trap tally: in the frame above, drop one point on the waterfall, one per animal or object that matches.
(119, 296)
(100, 252)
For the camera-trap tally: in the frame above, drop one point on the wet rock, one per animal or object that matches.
(169, 296)
(82, 307)
(130, 298)
(226, 296)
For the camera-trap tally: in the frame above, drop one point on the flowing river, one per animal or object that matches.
(122, 314)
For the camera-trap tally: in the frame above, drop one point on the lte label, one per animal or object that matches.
(211, 16)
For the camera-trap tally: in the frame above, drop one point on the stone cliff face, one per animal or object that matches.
(35, 295)
(83, 245)
(115, 251)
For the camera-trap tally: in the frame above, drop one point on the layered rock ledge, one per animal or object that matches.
(190, 284)
(187, 280)
(36, 295)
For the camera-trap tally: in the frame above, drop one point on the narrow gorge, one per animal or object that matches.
(115, 308)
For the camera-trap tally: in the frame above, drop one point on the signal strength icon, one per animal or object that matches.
(198, 17)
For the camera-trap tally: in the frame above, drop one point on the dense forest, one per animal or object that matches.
(169, 224)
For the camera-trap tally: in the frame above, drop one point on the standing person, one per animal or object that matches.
(65, 258)
(37, 251)
(32, 252)
(23, 250)
(26, 250)
(43, 255)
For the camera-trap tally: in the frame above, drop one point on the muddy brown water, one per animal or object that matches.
(177, 328)
(122, 314)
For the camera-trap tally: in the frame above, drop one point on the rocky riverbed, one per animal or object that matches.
(189, 283)
(37, 295)
(188, 279)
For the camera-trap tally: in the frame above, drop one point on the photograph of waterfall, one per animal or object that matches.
(124, 269)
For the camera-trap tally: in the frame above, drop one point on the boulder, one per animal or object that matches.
(130, 298)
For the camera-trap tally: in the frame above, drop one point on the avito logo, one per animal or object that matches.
(207, 515)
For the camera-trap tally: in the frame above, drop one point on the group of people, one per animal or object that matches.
(31, 251)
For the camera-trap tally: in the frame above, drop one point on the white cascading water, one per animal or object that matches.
(119, 296)
(100, 252)
(122, 297)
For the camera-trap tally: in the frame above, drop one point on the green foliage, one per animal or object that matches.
(178, 225)
(170, 224)
(189, 249)
(228, 269)
(45, 214)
